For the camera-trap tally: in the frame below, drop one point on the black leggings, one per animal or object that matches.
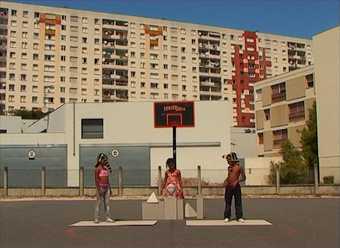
(228, 196)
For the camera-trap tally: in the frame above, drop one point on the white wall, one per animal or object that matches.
(326, 47)
(257, 170)
(132, 123)
(12, 124)
(244, 144)
(32, 139)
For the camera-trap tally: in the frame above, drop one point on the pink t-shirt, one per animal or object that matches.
(102, 176)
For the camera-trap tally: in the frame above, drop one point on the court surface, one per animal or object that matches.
(296, 223)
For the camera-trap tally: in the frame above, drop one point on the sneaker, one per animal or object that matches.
(240, 220)
(109, 220)
(96, 221)
(226, 220)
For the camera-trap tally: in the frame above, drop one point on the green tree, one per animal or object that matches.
(309, 139)
(292, 167)
(27, 114)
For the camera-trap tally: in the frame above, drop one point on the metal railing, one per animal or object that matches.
(120, 178)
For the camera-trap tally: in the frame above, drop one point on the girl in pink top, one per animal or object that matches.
(172, 185)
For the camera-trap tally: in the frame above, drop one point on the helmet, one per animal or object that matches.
(101, 157)
(231, 157)
(104, 160)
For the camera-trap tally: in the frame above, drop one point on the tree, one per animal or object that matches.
(292, 167)
(309, 139)
(27, 114)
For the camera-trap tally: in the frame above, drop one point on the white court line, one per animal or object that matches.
(117, 223)
(230, 223)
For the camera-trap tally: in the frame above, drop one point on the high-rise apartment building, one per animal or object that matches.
(50, 56)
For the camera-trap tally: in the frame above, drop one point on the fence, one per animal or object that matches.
(120, 178)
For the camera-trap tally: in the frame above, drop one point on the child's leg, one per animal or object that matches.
(228, 196)
(238, 202)
(107, 203)
(97, 206)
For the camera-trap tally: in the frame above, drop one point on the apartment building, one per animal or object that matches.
(327, 75)
(281, 106)
(50, 56)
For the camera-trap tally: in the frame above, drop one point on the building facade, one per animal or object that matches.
(327, 75)
(74, 134)
(282, 105)
(50, 56)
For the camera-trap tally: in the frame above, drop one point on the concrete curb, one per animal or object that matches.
(121, 198)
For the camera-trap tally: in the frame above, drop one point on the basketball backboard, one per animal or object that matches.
(174, 114)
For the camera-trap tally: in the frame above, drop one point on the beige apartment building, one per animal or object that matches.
(282, 105)
(50, 56)
(327, 75)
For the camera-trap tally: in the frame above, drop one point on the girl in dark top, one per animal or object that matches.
(102, 173)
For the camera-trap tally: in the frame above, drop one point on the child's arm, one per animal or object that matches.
(96, 177)
(243, 175)
(180, 179)
(164, 181)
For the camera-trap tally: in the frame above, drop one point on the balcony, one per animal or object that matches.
(207, 83)
(50, 31)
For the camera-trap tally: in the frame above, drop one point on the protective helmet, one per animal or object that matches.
(101, 157)
(232, 157)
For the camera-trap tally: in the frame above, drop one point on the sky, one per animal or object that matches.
(300, 18)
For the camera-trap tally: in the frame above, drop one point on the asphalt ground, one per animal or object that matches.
(296, 223)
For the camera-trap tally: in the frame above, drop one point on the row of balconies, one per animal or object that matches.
(208, 47)
(114, 77)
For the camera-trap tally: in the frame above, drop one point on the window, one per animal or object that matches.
(267, 114)
(279, 92)
(296, 111)
(309, 81)
(260, 138)
(279, 137)
(258, 95)
(92, 129)
(34, 99)
(25, 24)
(14, 12)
